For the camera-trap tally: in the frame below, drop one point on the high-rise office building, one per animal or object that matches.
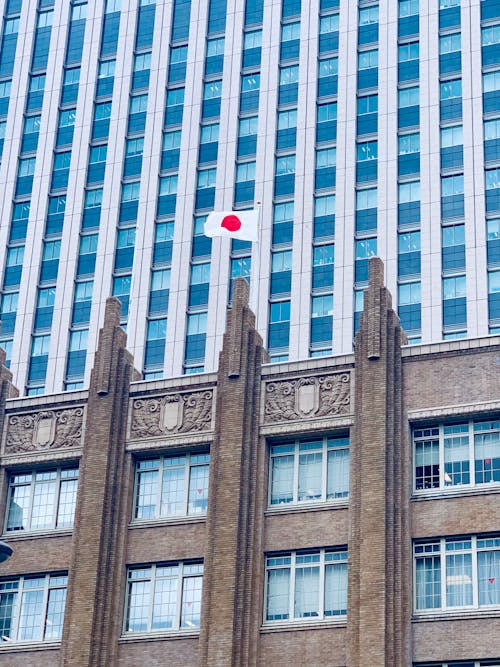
(358, 128)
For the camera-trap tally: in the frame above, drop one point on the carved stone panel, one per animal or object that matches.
(171, 414)
(47, 430)
(307, 398)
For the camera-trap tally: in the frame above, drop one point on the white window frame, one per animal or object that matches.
(182, 576)
(292, 567)
(295, 484)
(442, 553)
(188, 466)
(32, 485)
(17, 606)
(443, 485)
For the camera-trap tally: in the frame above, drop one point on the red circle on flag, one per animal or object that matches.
(231, 222)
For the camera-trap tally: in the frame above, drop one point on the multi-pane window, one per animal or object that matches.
(42, 499)
(309, 471)
(306, 585)
(32, 608)
(457, 573)
(451, 455)
(162, 598)
(170, 486)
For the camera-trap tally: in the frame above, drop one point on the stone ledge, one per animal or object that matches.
(410, 352)
(21, 647)
(454, 410)
(294, 626)
(160, 523)
(22, 536)
(45, 400)
(280, 510)
(465, 615)
(325, 424)
(158, 636)
(144, 387)
(457, 492)
(310, 364)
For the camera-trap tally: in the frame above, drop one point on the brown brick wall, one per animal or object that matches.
(464, 515)
(306, 648)
(40, 554)
(441, 379)
(301, 530)
(175, 652)
(47, 658)
(465, 639)
(163, 543)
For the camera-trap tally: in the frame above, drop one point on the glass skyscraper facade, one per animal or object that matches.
(358, 128)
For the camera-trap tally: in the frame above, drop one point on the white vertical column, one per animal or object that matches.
(430, 175)
(474, 177)
(346, 180)
(266, 146)
(387, 177)
(9, 169)
(226, 158)
(300, 313)
(183, 230)
(70, 241)
(112, 180)
(144, 240)
(39, 197)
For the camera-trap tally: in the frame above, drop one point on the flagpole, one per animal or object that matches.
(255, 267)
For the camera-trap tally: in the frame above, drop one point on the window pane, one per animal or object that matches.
(306, 592)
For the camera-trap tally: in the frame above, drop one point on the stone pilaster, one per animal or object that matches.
(232, 581)
(96, 573)
(379, 606)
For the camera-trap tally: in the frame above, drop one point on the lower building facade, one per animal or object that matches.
(340, 511)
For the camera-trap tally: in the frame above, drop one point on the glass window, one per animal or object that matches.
(450, 43)
(32, 607)
(42, 500)
(308, 585)
(457, 573)
(368, 59)
(163, 597)
(465, 454)
(367, 15)
(309, 471)
(170, 486)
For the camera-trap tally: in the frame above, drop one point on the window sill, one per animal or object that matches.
(167, 521)
(454, 615)
(6, 647)
(158, 636)
(21, 535)
(286, 508)
(294, 626)
(456, 492)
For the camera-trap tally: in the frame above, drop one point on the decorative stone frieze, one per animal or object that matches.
(46, 430)
(308, 398)
(172, 414)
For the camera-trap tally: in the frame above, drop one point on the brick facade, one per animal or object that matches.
(376, 395)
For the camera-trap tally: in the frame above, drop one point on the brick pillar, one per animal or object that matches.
(97, 568)
(7, 390)
(379, 539)
(232, 580)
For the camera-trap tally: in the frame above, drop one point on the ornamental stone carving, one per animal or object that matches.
(47, 430)
(171, 414)
(307, 398)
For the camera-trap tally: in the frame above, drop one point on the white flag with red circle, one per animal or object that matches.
(243, 225)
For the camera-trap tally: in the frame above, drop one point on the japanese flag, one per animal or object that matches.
(243, 225)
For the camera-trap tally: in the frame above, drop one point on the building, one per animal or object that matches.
(361, 130)
(333, 512)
